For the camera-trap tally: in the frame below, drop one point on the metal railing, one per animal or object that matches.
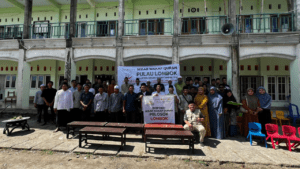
(96, 29)
(49, 30)
(203, 24)
(11, 31)
(154, 26)
(265, 23)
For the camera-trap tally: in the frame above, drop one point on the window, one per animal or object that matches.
(10, 81)
(106, 28)
(279, 87)
(41, 29)
(151, 27)
(193, 26)
(250, 81)
(86, 16)
(279, 6)
(270, 6)
(37, 80)
(79, 16)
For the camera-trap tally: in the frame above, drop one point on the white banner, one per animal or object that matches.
(145, 73)
(159, 109)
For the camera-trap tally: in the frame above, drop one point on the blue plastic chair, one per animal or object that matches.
(292, 115)
(255, 130)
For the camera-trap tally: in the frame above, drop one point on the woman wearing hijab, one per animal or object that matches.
(201, 102)
(251, 103)
(265, 101)
(216, 114)
(229, 111)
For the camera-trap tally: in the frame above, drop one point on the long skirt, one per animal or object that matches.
(264, 117)
(247, 117)
(217, 125)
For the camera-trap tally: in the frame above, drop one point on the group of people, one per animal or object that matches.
(199, 106)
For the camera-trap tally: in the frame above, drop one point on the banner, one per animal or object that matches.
(151, 73)
(158, 109)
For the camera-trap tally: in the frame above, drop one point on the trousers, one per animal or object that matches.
(200, 128)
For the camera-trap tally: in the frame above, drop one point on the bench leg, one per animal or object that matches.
(122, 141)
(68, 130)
(145, 139)
(125, 139)
(86, 138)
(80, 137)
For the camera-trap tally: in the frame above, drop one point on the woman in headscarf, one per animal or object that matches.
(216, 114)
(265, 101)
(251, 104)
(229, 111)
(201, 102)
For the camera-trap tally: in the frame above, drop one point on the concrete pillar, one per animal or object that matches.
(73, 65)
(295, 78)
(297, 14)
(67, 73)
(119, 46)
(175, 39)
(229, 73)
(73, 15)
(23, 81)
(27, 19)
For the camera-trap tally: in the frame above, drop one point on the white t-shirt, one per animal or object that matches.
(137, 88)
(167, 89)
(160, 93)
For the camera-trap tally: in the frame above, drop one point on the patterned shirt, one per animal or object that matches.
(101, 102)
(115, 102)
(184, 105)
(63, 100)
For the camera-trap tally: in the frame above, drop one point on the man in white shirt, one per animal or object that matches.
(63, 102)
(73, 88)
(101, 105)
(158, 91)
(168, 86)
(137, 86)
(92, 90)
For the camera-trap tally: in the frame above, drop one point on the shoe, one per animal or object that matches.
(44, 124)
(201, 145)
(56, 130)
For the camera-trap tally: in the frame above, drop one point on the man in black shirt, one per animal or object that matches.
(48, 96)
(161, 85)
(139, 102)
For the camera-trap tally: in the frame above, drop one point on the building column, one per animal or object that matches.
(297, 14)
(295, 78)
(119, 46)
(70, 65)
(23, 81)
(229, 73)
(73, 65)
(73, 15)
(27, 19)
(175, 39)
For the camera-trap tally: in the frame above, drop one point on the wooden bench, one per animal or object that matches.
(129, 127)
(162, 127)
(182, 134)
(81, 124)
(103, 131)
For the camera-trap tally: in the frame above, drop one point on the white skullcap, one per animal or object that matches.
(116, 87)
(148, 80)
(42, 85)
(179, 77)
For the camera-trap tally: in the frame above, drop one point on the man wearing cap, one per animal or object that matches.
(139, 102)
(39, 103)
(179, 86)
(149, 88)
(137, 86)
(115, 105)
(168, 85)
(162, 86)
(73, 88)
(125, 86)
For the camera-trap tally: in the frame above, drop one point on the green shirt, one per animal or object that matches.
(179, 88)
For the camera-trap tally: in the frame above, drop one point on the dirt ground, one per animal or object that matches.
(46, 159)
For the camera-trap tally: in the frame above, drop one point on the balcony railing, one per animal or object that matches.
(49, 30)
(96, 29)
(155, 26)
(265, 23)
(11, 31)
(202, 25)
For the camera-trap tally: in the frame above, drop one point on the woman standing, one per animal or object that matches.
(265, 101)
(216, 114)
(201, 101)
(251, 103)
(229, 111)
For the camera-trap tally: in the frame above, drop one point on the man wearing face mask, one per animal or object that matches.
(179, 86)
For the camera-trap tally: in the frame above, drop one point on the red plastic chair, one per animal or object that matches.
(272, 132)
(296, 144)
(290, 133)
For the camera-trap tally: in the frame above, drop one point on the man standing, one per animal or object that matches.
(179, 86)
(149, 87)
(176, 102)
(158, 91)
(221, 90)
(96, 82)
(92, 90)
(62, 105)
(125, 86)
(48, 96)
(184, 103)
(168, 85)
(162, 86)
(73, 88)
(101, 105)
(115, 105)
(99, 83)
(139, 102)
(39, 103)
(137, 86)
(86, 100)
(111, 87)
(224, 80)
(193, 118)
(218, 82)
(213, 82)
(206, 82)
(196, 84)
(77, 108)
(129, 108)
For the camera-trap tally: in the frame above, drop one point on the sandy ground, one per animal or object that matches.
(20, 159)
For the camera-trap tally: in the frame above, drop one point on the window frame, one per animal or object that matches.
(37, 86)
(287, 87)
(10, 81)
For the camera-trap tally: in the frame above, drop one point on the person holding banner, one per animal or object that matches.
(162, 86)
(125, 86)
(139, 102)
(185, 98)
(129, 108)
(158, 91)
(179, 86)
(176, 102)
(193, 118)
(168, 85)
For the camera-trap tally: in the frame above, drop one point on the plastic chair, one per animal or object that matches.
(297, 144)
(280, 117)
(272, 132)
(273, 119)
(290, 133)
(255, 130)
(292, 115)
